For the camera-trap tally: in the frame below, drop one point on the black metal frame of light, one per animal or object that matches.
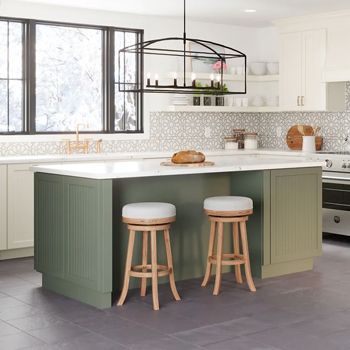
(144, 48)
(108, 87)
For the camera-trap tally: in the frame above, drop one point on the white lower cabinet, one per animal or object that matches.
(3, 207)
(20, 225)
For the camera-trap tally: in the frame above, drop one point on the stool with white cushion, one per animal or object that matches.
(149, 218)
(235, 210)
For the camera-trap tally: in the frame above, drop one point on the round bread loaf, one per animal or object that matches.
(188, 157)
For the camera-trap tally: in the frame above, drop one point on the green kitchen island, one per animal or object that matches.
(80, 241)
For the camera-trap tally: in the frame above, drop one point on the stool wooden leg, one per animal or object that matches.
(236, 250)
(154, 270)
(219, 258)
(169, 257)
(144, 262)
(245, 248)
(210, 253)
(127, 268)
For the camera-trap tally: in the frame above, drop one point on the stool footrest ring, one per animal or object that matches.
(136, 271)
(228, 259)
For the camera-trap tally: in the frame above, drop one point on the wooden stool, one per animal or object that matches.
(233, 210)
(149, 218)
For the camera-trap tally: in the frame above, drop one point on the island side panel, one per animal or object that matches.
(256, 185)
(189, 234)
(73, 237)
(296, 227)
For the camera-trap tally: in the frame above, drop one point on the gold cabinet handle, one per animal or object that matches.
(298, 101)
(302, 100)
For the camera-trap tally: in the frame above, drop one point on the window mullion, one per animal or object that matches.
(109, 70)
(30, 77)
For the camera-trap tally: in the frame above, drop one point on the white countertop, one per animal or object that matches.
(231, 162)
(60, 158)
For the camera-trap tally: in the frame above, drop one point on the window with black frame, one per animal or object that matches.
(73, 71)
(11, 77)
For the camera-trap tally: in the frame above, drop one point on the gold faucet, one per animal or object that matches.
(78, 144)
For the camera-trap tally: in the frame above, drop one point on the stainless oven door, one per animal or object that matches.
(336, 203)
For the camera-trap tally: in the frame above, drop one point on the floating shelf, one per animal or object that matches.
(231, 77)
(219, 109)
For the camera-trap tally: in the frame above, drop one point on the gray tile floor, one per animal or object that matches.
(309, 310)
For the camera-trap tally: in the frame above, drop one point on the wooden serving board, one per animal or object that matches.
(294, 137)
(188, 165)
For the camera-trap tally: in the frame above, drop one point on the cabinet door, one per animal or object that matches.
(3, 207)
(296, 207)
(291, 49)
(20, 206)
(314, 89)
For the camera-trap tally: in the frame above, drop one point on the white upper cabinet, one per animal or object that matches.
(3, 207)
(20, 231)
(302, 62)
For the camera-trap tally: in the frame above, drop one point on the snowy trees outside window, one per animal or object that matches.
(70, 81)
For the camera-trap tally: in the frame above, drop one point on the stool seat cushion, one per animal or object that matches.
(149, 210)
(228, 203)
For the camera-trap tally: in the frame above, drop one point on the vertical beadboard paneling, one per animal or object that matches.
(49, 232)
(295, 214)
(3, 207)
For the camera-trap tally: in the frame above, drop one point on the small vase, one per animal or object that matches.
(220, 101)
(207, 100)
(196, 100)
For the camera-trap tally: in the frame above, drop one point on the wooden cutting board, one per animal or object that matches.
(189, 165)
(294, 137)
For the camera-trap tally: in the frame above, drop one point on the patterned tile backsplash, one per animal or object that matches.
(170, 131)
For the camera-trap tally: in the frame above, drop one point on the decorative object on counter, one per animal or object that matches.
(169, 48)
(239, 134)
(272, 68)
(149, 218)
(231, 142)
(235, 210)
(295, 135)
(188, 157)
(196, 100)
(309, 144)
(257, 68)
(251, 140)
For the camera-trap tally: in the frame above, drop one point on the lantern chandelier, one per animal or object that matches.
(183, 79)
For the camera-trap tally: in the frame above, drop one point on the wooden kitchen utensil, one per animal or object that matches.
(295, 135)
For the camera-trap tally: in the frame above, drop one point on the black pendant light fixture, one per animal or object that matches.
(181, 53)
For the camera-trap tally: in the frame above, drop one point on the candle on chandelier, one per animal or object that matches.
(212, 80)
(156, 78)
(193, 77)
(175, 78)
(218, 78)
(148, 75)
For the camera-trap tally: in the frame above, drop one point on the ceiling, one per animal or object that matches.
(216, 11)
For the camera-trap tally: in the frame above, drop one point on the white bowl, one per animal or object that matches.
(273, 68)
(257, 68)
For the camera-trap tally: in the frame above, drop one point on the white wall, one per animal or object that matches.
(257, 43)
